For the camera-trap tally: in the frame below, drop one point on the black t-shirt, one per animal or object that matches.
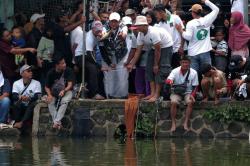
(53, 76)
(245, 70)
(62, 43)
(33, 40)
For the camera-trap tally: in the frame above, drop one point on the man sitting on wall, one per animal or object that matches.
(213, 84)
(58, 87)
(25, 92)
(184, 82)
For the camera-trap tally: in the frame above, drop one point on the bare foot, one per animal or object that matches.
(173, 128)
(185, 126)
(98, 97)
(18, 125)
(55, 126)
(205, 100)
(216, 102)
(152, 99)
(147, 97)
(59, 126)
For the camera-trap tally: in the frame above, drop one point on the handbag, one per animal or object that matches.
(25, 88)
(58, 86)
(180, 89)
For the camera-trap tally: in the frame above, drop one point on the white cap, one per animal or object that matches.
(24, 67)
(129, 12)
(114, 16)
(35, 17)
(127, 20)
(141, 20)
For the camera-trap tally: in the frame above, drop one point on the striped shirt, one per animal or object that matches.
(222, 46)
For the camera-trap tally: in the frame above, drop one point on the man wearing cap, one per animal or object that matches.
(5, 90)
(94, 75)
(35, 35)
(114, 52)
(182, 76)
(25, 92)
(239, 71)
(198, 34)
(168, 22)
(213, 83)
(131, 13)
(159, 59)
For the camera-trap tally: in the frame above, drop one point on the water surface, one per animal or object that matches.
(103, 152)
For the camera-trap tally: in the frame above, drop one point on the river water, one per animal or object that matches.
(103, 152)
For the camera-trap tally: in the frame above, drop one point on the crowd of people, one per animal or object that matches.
(154, 50)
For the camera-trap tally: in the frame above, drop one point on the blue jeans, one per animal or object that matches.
(198, 60)
(4, 109)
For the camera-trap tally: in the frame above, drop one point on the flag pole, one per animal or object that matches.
(84, 49)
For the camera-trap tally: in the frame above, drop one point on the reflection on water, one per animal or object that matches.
(172, 152)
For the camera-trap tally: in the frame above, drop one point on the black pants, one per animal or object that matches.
(22, 112)
(176, 58)
(78, 64)
(94, 77)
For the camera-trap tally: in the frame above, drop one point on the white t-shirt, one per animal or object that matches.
(134, 44)
(76, 37)
(177, 77)
(169, 25)
(238, 5)
(91, 41)
(34, 87)
(155, 35)
(198, 32)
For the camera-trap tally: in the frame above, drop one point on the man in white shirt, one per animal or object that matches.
(92, 68)
(159, 59)
(25, 92)
(198, 34)
(114, 52)
(77, 43)
(168, 22)
(183, 75)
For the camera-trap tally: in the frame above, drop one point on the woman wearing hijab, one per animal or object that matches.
(239, 35)
(4, 98)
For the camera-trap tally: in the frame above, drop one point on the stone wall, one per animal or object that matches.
(107, 115)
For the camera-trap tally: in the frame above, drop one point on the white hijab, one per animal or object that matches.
(1, 79)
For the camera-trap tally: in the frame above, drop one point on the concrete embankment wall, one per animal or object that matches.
(103, 117)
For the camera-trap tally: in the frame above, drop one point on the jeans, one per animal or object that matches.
(4, 109)
(57, 113)
(198, 60)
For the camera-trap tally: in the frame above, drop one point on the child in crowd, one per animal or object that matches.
(18, 41)
(17, 37)
(220, 51)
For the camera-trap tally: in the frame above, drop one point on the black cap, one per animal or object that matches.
(206, 67)
(185, 58)
(234, 64)
(159, 7)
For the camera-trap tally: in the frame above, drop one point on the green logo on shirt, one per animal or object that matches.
(202, 34)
